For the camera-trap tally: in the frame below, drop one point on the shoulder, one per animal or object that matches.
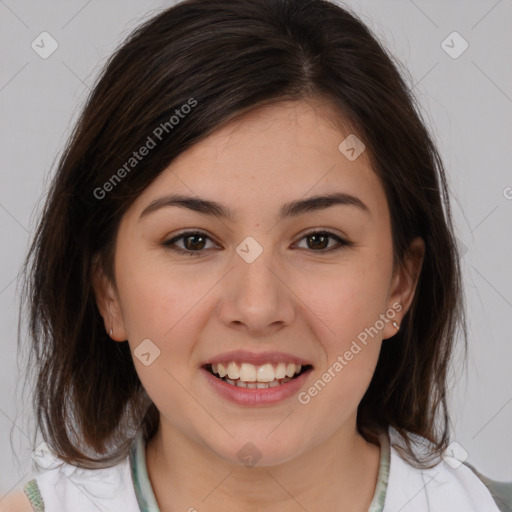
(62, 487)
(16, 502)
(444, 487)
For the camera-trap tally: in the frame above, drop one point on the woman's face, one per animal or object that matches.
(257, 287)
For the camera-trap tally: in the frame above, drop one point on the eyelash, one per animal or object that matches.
(169, 244)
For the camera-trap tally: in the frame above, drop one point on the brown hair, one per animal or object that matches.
(230, 57)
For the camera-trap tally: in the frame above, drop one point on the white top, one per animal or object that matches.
(447, 487)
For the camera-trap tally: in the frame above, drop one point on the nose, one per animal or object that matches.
(256, 298)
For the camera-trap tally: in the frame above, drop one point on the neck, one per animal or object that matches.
(339, 474)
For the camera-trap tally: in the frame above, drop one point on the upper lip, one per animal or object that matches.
(256, 358)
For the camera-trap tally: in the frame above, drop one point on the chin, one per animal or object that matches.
(257, 451)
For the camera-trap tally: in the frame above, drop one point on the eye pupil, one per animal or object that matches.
(316, 236)
(193, 246)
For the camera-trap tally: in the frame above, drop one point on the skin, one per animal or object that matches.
(292, 298)
(16, 502)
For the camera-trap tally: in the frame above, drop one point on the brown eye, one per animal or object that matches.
(193, 243)
(318, 241)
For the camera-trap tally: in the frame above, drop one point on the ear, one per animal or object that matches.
(107, 301)
(403, 286)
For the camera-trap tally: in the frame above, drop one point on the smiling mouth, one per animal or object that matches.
(249, 376)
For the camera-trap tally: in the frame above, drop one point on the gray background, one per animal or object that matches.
(466, 101)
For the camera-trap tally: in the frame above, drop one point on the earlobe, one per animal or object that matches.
(107, 302)
(404, 284)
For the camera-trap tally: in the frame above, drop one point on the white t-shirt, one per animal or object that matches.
(125, 487)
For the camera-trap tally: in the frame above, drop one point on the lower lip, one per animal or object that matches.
(245, 396)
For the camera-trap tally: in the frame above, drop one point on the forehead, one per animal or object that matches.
(268, 157)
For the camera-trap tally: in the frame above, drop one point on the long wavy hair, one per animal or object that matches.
(231, 57)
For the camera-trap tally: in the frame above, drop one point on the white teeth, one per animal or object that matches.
(290, 370)
(251, 373)
(280, 371)
(233, 372)
(246, 375)
(265, 373)
(221, 370)
(248, 372)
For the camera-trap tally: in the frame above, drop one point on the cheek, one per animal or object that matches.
(156, 298)
(348, 305)
(351, 340)
(349, 299)
(156, 307)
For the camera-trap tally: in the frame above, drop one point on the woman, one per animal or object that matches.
(244, 288)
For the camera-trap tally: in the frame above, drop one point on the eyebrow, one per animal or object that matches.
(291, 209)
